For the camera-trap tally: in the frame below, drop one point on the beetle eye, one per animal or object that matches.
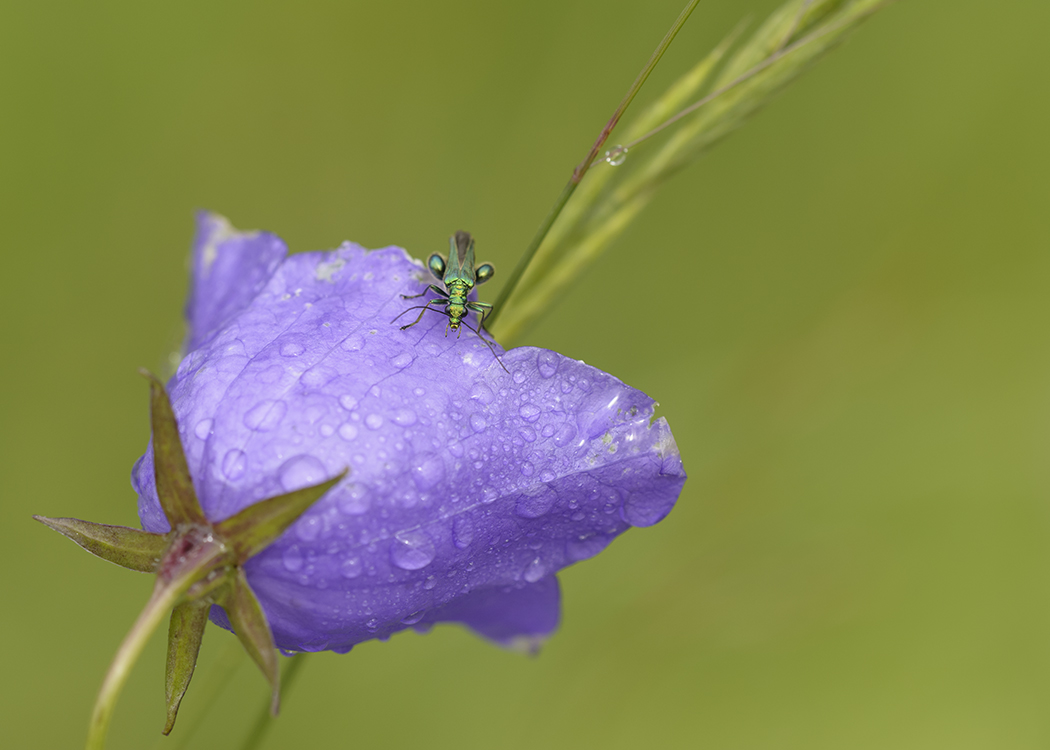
(484, 273)
(436, 264)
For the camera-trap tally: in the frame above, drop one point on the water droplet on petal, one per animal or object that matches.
(374, 421)
(430, 583)
(265, 415)
(347, 431)
(413, 618)
(292, 559)
(535, 571)
(326, 430)
(564, 434)
(308, 528)
(529, 412)
(429, 470)
(536, 502)
(353, 343)
(519, 376)
(351, 567)
(405, 417)
(412, 550)
(348, 402)
(478, 423)
(203, 428)
(319, 376)
(292, 349)
(482, 393)
(586, 545)
(354, 500)
(301, 471)
(547, 363)
(402, 360)
(233, 464)
(462, 532)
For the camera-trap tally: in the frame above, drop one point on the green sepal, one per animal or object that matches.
(174, 485)
(129, 548)
(253, 529)
(197, 564)
(185, 632)
(250, 625)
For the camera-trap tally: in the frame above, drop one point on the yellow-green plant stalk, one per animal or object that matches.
(794, 37)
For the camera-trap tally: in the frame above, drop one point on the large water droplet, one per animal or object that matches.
(319, 376)
(233, 464)
(478, 423)
(413, 618)
(586, 545)
(347, 431)
(482, 393)
(462, 532)
(564, 434)
(354, 500)
(536, 502)
(203, 428)
(412, 550)
(519, 376)
(351, 567)
(547, 363)
(301, 471)
(307, 528)
(265, 415)
(597, 410)
(529, 412)
(353, 342)
(616, 156)
(292, 559)
(374, 421)
(348, 402)
(535, 571)
(405, 417)
(429, 470)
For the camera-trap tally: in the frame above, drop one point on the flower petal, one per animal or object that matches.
(519, 617)
(229, 269)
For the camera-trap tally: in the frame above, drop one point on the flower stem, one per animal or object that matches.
(583, 166)
(160, 603)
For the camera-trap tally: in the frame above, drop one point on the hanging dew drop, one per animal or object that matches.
(616, 156)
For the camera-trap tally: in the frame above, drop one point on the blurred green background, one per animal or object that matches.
(842, 311)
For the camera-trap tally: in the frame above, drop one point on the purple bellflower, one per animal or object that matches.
(469, 485)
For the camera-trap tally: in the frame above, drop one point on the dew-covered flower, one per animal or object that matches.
(471, 482)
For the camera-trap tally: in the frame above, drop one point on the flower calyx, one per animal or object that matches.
(198, 563)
